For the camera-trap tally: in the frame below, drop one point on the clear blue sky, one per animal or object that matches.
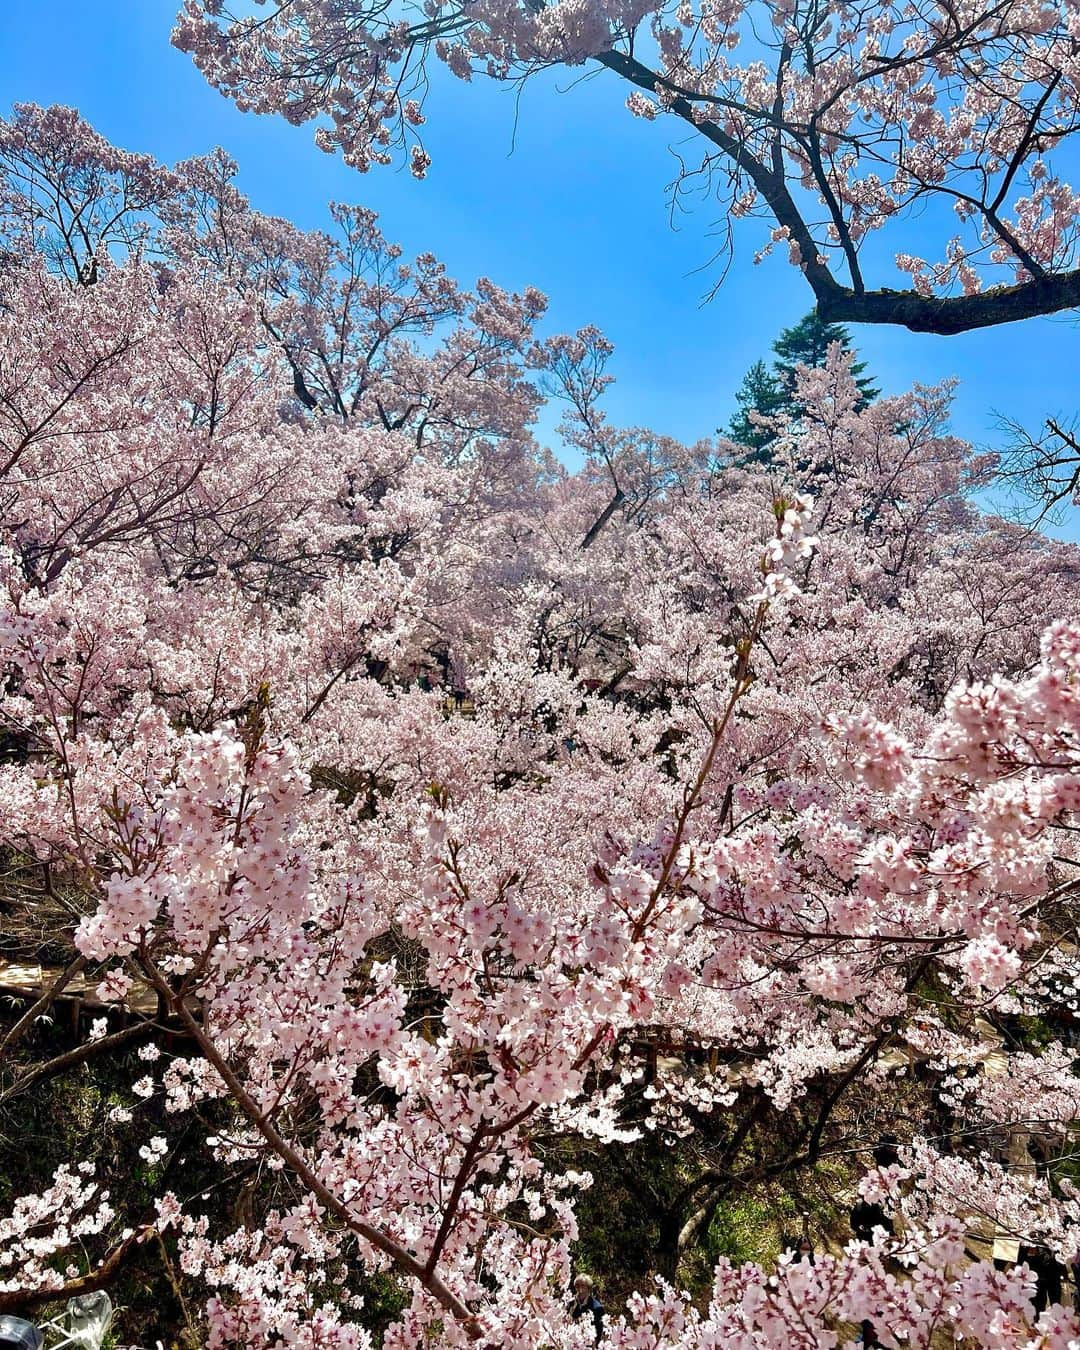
(564, 190)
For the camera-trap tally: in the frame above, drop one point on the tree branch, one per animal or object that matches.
(836, 303)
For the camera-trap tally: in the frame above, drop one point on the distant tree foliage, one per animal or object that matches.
(807, 343)
(761, 392)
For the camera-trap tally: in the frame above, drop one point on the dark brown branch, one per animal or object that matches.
(303, 1171)
(19, 1301)
(71, 1059)
(836, 303)
(955, 314)
(596, 528)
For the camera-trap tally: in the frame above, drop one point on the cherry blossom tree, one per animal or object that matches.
(832, 122)
(417, 786)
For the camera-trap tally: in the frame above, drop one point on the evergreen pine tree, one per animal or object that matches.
(807, 343)
(769, 392)
(761, 392)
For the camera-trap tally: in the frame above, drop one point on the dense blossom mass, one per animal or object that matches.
(420, 781)
(833, 121)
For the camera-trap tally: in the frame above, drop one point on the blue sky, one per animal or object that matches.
(563, 190)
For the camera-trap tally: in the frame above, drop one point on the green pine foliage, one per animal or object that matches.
(770, 390)
(761, 391)
(807, 343)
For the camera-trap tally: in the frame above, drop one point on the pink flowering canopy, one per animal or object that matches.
(831, 122)
(414, 786)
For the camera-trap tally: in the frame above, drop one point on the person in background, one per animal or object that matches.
(1047, 1272)
(586, 1304)
(804, 1250)
(865, 1217)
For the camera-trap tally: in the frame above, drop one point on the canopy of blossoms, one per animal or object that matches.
(417, 778)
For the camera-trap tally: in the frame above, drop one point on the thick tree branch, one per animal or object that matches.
(836, 303)
(40, 1073)
(954, 314)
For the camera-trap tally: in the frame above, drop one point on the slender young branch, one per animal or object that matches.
(302, 1169)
